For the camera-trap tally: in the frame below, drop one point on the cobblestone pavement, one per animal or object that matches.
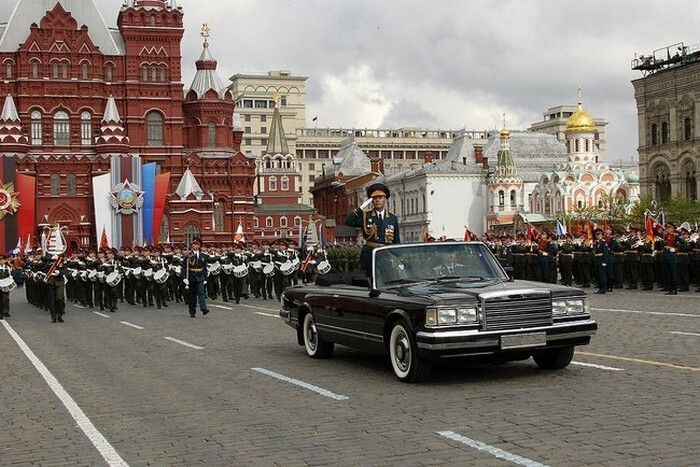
(630, 398)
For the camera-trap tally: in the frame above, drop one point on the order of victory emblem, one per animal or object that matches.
(9, 204)
(127, 198)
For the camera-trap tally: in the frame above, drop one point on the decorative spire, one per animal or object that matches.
(189, 186)
(112, 130)
(10, 125)
(206, 78)
(277, 142)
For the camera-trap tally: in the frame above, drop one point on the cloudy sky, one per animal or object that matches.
(442, 63)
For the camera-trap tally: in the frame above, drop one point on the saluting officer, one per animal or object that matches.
(379, 226)
(601, 260)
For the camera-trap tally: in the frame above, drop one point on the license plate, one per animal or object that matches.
(518, 341)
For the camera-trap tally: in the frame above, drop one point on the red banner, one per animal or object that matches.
(161, 191)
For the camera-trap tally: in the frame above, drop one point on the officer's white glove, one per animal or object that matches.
(205, 282)
(365, 204)
(186, 281)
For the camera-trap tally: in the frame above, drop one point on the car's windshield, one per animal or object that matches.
(444, 261)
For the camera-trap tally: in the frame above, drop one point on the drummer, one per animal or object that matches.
(5, 278)
(160, 289)
(282, 259)
(239, 259)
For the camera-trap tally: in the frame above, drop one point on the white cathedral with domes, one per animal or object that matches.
(584, 181)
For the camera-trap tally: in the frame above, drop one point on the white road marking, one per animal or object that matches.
(680, 333)
(131, 325)
(79, 306)
(660, 313)
(266, 314)
(494, 451)
(310, 387)
(222, 307)
(600, 367)
(101, 314)
(257, 307)
(186, 344)
(105, 449)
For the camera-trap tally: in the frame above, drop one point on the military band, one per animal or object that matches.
(159, 275)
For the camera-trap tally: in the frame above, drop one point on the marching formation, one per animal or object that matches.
(156, 276)
(669, 260)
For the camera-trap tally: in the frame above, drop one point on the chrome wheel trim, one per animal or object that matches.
(400, 350)
(310, 334)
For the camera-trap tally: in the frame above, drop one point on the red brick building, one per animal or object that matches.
(88, 100)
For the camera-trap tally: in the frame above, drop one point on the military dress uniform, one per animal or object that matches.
(195, 272)
(5, 272)
(378, 229)
(601, 260)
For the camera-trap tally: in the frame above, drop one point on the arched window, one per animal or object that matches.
(283, 221)
(501, 198)
(71, 184)
(256, 223)
(297, 221)
(513, 198)
(84, 71)
(8, 70)
(144, 73)
(191, 232)
(654, 134)
(55, 184)
(54, 70)
(163, 75)
(577, 145)
(691, 183)
(35, 69)
(219, 217)
(212, 135)
(61, 129)
(154, 74)
(153, 20)
(687, 128)
(285, 183)
(272, 184)
(662, 182)
(64, 70)
(664, 132)
(154, 126)
(86, 129)
(37, 138)
(269, 222)
(109, 72)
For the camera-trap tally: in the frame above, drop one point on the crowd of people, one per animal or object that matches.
(630, 258)
(156, 276)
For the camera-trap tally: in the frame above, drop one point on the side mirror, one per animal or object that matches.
(374, 293)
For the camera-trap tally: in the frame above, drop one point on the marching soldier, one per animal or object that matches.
(110, 290)
(646, 263)
(601, 260)
(566, 260)
(685, 250)
(160, 290)
(379, 226)
(618, 250)
(238, 284)
(55, 287)
(5, 272)
(670, 258)
(632, 258)
(195, 275)
(281, 280)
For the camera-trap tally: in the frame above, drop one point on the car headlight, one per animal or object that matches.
(569, 306)
(438, 316)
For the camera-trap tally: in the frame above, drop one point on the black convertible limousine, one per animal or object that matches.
(437, 300)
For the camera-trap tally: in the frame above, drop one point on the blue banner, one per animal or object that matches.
(148, 182)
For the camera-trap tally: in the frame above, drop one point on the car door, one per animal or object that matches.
(346, 313)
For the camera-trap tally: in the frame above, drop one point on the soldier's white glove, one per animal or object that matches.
(205, 282)
(365, 204)
(186, 281)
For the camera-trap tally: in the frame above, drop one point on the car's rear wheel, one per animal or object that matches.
(554, 359)
(407, 365)
(316, 346)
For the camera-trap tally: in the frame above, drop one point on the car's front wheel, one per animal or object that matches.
(407, 365)
(316, 346)
(554, 359)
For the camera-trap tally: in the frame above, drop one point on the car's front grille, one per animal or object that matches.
(517, 311)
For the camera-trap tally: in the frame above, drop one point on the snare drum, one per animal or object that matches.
(257, 265)
(324, 267)
(161, 276)
(7, 284)
(269, 270)
(287, 268)
(113, 278)
(240, 271)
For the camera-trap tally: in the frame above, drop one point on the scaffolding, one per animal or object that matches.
(664, 58)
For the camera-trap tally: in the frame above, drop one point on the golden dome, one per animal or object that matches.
(580, 121)
(505, 133)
